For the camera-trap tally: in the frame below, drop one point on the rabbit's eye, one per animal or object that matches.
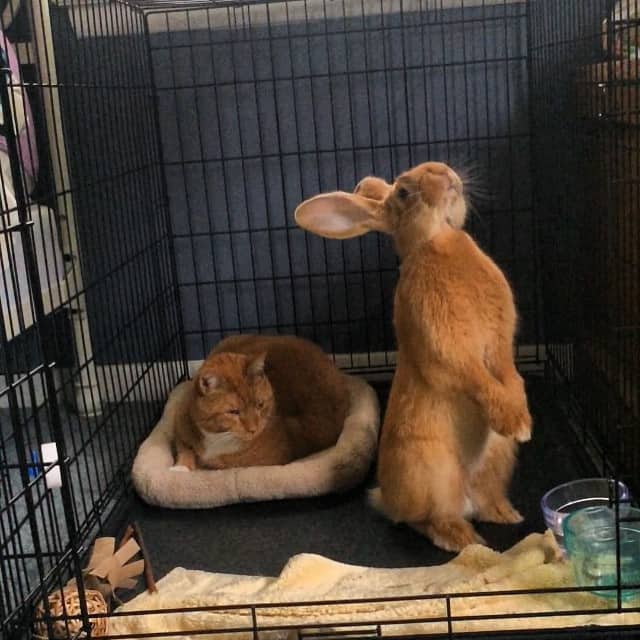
(402, 193)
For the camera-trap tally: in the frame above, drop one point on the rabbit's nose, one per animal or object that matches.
(454, 181)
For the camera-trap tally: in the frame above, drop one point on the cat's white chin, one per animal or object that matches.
(218, 444)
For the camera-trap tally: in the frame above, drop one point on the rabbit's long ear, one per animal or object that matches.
(340, 215)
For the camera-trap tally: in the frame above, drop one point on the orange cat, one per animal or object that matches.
(261, 400)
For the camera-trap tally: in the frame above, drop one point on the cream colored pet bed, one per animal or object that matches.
(534, 563)
(335, 469)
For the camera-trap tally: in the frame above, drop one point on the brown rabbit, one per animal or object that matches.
(457, 405)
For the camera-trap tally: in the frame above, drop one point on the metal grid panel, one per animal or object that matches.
(90, 332)
(264, 104)
(585, 116)
(261, 104)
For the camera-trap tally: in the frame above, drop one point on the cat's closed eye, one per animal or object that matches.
(260, 404)
(234, 412)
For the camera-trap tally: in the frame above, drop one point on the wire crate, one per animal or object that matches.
(176, 137)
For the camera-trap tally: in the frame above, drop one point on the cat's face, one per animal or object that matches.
(234, 395)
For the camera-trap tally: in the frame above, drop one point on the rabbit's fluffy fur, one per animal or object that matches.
(457, 405)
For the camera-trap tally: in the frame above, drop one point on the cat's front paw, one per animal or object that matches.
(179, 468)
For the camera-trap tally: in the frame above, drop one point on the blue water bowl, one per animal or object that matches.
(591, 541)
(566, 498)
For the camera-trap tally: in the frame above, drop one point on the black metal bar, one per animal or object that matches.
(165, 198)
(389, 147)
(54, 413)
(384, 29)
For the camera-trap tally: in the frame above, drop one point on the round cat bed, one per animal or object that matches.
(337, 468)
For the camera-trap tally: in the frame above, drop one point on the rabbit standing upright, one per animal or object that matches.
(457, 404)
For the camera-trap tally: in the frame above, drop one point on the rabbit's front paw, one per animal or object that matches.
(511, 420)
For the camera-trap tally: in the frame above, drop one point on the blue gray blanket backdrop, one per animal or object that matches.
(259, 109)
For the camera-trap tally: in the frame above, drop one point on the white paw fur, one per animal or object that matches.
(180, 468)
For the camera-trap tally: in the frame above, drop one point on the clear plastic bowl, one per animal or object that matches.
(592, 544)
(566, 498)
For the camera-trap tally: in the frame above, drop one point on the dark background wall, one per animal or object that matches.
(564, 99)
(116, 188)
(258, 114)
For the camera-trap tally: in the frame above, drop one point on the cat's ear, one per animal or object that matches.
(256, 365)
(208, 382)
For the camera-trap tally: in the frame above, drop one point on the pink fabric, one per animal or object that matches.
(26, 137)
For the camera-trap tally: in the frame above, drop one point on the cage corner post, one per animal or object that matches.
(87, 398)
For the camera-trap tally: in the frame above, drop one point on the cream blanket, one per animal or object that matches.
(532, 564)
(337, 468)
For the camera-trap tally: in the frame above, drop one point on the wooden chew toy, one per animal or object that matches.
(108, 569)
